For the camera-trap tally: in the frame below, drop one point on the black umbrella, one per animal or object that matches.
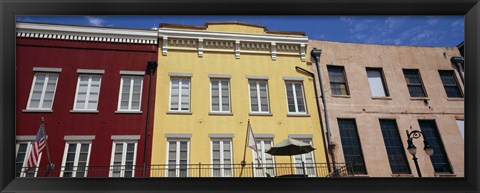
(290, 147)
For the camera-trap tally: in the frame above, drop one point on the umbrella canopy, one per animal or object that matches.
(290, 147)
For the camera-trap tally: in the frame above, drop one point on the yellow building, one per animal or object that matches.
(211, 81)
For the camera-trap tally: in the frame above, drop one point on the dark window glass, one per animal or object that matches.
(351, 146)
(394, 146)
(439, 158)
(450, 84)
(414, 83)
(338, 82)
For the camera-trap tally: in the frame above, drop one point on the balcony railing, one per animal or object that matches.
(199, 170)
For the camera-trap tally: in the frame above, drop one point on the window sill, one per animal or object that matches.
(179, 113)
(128, 112)
(438, 174)
(382, 98)
(297, 115)
(37, 111)
(341, 96)
(455, 99)
(402, 175)
(360, 176)
(260, 114)
(83, 111)
(221, 113)
(419, 98)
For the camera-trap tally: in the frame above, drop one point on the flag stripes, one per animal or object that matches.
(36, 148)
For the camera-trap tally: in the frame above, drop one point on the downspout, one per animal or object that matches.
(319, 112)
(458, 60)
(151, 66)
(316, 56)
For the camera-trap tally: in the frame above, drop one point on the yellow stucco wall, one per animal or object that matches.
(200, 124)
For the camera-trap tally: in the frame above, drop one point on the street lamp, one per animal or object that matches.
(415, 134)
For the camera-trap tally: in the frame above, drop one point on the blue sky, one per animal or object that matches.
(442, 31)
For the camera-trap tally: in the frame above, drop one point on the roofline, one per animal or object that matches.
(370, 44)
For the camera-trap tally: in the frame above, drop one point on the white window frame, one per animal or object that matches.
(220, 102)
(257, 85)
(177, 157)
(180, 94)
(27, 153)
(304, 160)
(44, 90)
(295, 97)
(263, 150)
(88, 92)
(124, 157)
(77, 156)
(130, 94)
(222, 171)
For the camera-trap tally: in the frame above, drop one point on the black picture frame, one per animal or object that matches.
(10, 9)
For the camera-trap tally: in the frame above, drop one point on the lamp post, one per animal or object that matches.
(415, 134)
(151, 67)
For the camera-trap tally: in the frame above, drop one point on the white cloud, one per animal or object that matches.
(95, 21)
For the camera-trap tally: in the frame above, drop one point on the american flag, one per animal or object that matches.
(37, 148)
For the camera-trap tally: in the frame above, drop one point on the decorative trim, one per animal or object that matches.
(90, 71)
(265, 135)
(125, 137)
(257, 77)
(86, 33)
(44, 69)
(222, 135)
(219, 76)
(164, 45)
(127, 72)
(25, 137)
(178, 135)
(273, 50)
(179, 74)
(302, 52)
(200, 47)
(293, 78)
(79, 137)
(237, 49)
(301, 136)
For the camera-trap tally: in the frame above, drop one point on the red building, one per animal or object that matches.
(91, 85)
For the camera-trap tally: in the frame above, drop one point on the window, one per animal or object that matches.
(177, 158)
(450, 84)
(266, 160)
(295, 98)
(43, 91)
(377, 82)
(439, 158)
(23, 149)
(130, 93)
(75, 159)
(338, 82)
(352, 150)
(123, 159)
(305, 159)
(395, 150)
(222, 158)
(461, 127)
(220, 92)
(258, 96)
(180, 94)
(414, 83)
(88, 90)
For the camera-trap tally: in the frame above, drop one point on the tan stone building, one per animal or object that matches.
(375, 93)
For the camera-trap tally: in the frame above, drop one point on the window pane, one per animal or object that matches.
(395, 150)
(439, 158)
(375, 79)
(461, 127)
(415, 87)
(450, 84)
(351, 146)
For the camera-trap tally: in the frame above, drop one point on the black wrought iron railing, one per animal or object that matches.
(197, 170)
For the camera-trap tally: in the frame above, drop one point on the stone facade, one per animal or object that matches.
(397, 105)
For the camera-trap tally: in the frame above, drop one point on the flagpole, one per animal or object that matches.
(49, 166)
(243, 163)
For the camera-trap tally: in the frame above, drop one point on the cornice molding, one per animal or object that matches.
(86, 33)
